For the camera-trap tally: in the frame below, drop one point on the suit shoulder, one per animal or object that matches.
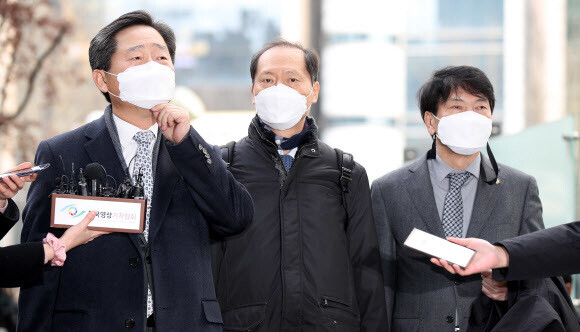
(76, 136)
(395, 177)
(68, 137)
(509, 172)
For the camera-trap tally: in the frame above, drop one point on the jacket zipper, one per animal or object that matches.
(278, 158)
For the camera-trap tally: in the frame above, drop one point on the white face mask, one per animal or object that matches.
(464, 133)
(146, 85)
(281, 107)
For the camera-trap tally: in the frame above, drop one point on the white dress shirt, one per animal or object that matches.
(129, 146)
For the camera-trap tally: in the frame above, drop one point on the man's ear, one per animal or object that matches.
(315, 91)
(253, 97)
(99, 79)
(430, 123)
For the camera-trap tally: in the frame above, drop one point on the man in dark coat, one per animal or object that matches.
(161, 279)
(309, 261)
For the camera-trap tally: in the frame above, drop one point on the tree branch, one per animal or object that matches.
(8, 73)
(32, 78)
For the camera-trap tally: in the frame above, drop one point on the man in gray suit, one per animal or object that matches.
(453, 190)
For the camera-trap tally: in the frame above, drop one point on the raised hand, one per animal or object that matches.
(173, 121)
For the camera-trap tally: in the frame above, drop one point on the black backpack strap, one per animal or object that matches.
(345, 166)
(228, 153)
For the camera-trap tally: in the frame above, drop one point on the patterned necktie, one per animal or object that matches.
(287, 160)
(453, 210)
(143, 165)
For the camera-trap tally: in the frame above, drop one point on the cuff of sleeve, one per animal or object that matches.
(170, 143)
(10, 211)
(500, 274)
(58, 247)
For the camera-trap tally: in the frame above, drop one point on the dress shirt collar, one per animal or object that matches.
(441, 169)
(126, 131)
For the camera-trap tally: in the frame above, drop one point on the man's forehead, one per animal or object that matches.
(136, 35)
(290, 58)
(459, 94)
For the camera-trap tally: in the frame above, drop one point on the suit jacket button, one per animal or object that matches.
(148, 259)
(134, 262)
(449, 319)
(129, 322)
(457, 280)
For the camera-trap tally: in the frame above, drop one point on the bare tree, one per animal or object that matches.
(30, 32)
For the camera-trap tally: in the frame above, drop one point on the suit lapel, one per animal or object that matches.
(166, 178)
(100, 149)
(420, 190)
(485, 199)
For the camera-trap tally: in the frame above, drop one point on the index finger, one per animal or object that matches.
(159, 107)
(85, 222)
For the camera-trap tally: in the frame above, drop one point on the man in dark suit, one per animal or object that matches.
(452, 191)
(160, 279)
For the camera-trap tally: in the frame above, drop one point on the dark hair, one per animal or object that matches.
(444, 81)
(104, 45)
(311, 58)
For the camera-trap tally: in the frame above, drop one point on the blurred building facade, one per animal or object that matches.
(375, 56)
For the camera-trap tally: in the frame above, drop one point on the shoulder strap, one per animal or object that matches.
(345, 166)
(228, 153)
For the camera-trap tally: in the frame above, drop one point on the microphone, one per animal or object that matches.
(125, 188)
(72, 188)
(94, 172)
(83, 183)
(138, 191)
(107, 191)
(61, 182)
(57, 186)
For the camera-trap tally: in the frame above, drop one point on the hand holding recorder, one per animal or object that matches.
(12, 181)
(487, 256)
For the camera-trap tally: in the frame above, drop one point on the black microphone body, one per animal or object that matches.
(137, 191)
(94, 172)
(94, 189)
(57, 186)
(83, 183)
(72, 187)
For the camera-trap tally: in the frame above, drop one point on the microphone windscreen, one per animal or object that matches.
(57, 181)
(94, 171)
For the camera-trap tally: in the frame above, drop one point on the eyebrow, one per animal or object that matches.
(266, 73)
(456, 99)
(285, 72)
(461, 100)
(136, 47)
